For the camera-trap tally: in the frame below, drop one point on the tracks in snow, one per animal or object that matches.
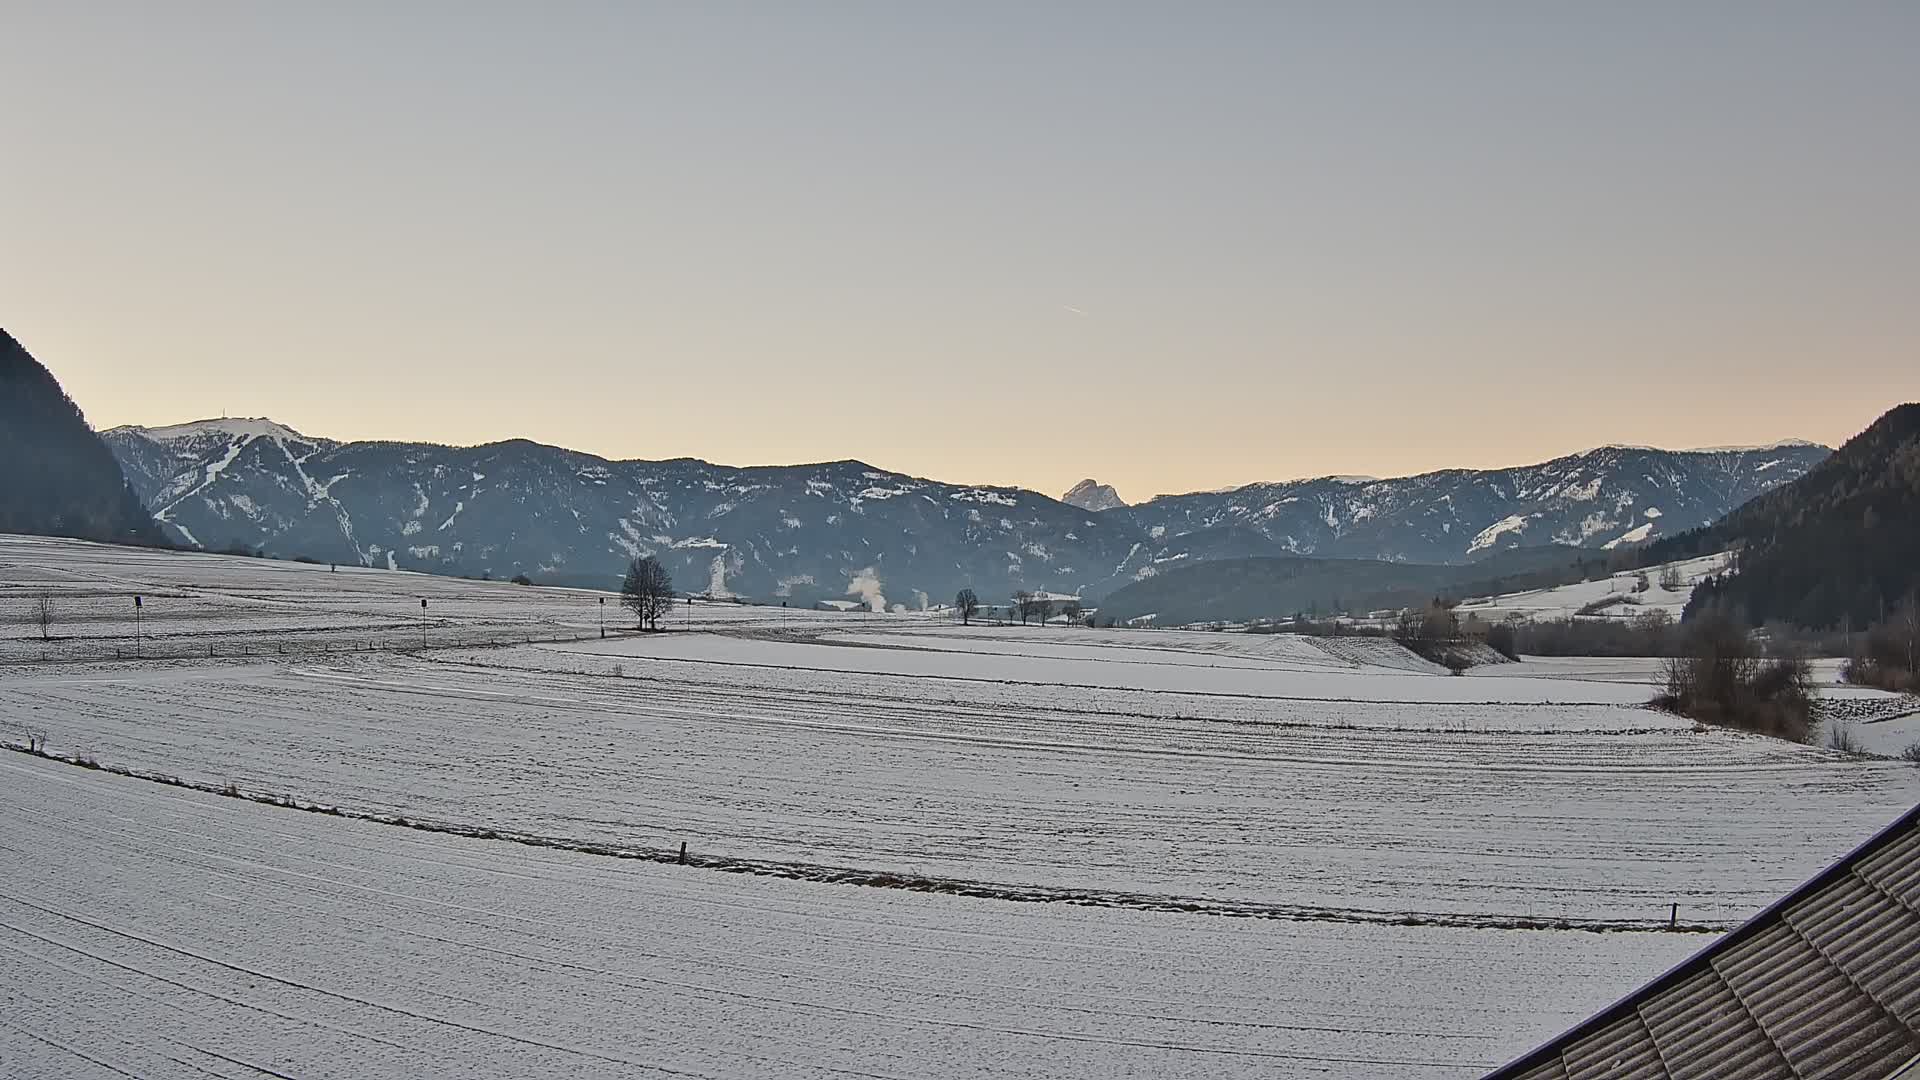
(888, 879)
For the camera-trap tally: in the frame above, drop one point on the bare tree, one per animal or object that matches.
(1670, 579)
(43, 614)
(1905, 624)
(1023, 603)
(1034, 605)
(647, 592)
(1043, 608)
(1888, 654)
(968, 605)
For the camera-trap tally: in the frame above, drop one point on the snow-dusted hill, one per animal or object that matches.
(1602, 498)
(839, 529)
(1618, 596)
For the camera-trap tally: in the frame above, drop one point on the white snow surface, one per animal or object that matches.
(1565, 601)
(1490, 535)
(167, 933)
(1334, 791)
(241, 428)
(1779, 444)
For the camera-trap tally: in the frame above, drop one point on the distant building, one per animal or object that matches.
(839, 605)
(1061, 607)
(1057, 597)
(994, 613)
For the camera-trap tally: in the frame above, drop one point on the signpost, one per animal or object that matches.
(136, 624)
(603, 616)
(423, 622)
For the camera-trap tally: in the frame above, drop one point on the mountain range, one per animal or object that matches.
(846, 529)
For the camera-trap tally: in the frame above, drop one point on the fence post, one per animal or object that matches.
(683, 853)
(1673, 918)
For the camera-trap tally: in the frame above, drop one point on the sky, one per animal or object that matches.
(1170, 246)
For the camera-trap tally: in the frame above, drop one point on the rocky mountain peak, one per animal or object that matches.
(1090, 494)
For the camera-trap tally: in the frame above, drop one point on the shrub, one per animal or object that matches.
(1888, 655)
(1718, 678)
(1866, 671)
(1840, 737)
(522, 579)
(1429, 631)
(1911, 753)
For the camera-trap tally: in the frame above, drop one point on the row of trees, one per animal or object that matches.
(1433, 632)
(1888, 654)
(1041, 608)
(1038, 607)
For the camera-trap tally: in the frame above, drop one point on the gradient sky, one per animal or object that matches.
(1173, 246)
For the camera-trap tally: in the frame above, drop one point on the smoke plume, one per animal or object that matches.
(866, 586)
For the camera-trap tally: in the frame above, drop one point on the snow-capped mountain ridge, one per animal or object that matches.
(1779, 444)
(804, 532)
(1607, 496)
(1783, 444)
(254, 426)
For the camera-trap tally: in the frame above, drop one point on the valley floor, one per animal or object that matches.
(1137, 853)
(161, 932)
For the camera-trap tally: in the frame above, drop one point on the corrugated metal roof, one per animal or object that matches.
(1823, 985)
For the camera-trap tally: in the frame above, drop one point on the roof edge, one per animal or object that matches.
(1546, 1051)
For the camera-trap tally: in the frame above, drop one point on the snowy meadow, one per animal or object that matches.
(911, 848)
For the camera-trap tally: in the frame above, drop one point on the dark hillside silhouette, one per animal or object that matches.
(56, 477)
(1839, 547)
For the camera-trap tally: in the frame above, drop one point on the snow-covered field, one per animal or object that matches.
(1567, 601)
(1303, 670)
(227, 606)
(1381, 829)
(154, 932)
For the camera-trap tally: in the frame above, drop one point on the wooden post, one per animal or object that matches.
(683, 853)
(1673, 919)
